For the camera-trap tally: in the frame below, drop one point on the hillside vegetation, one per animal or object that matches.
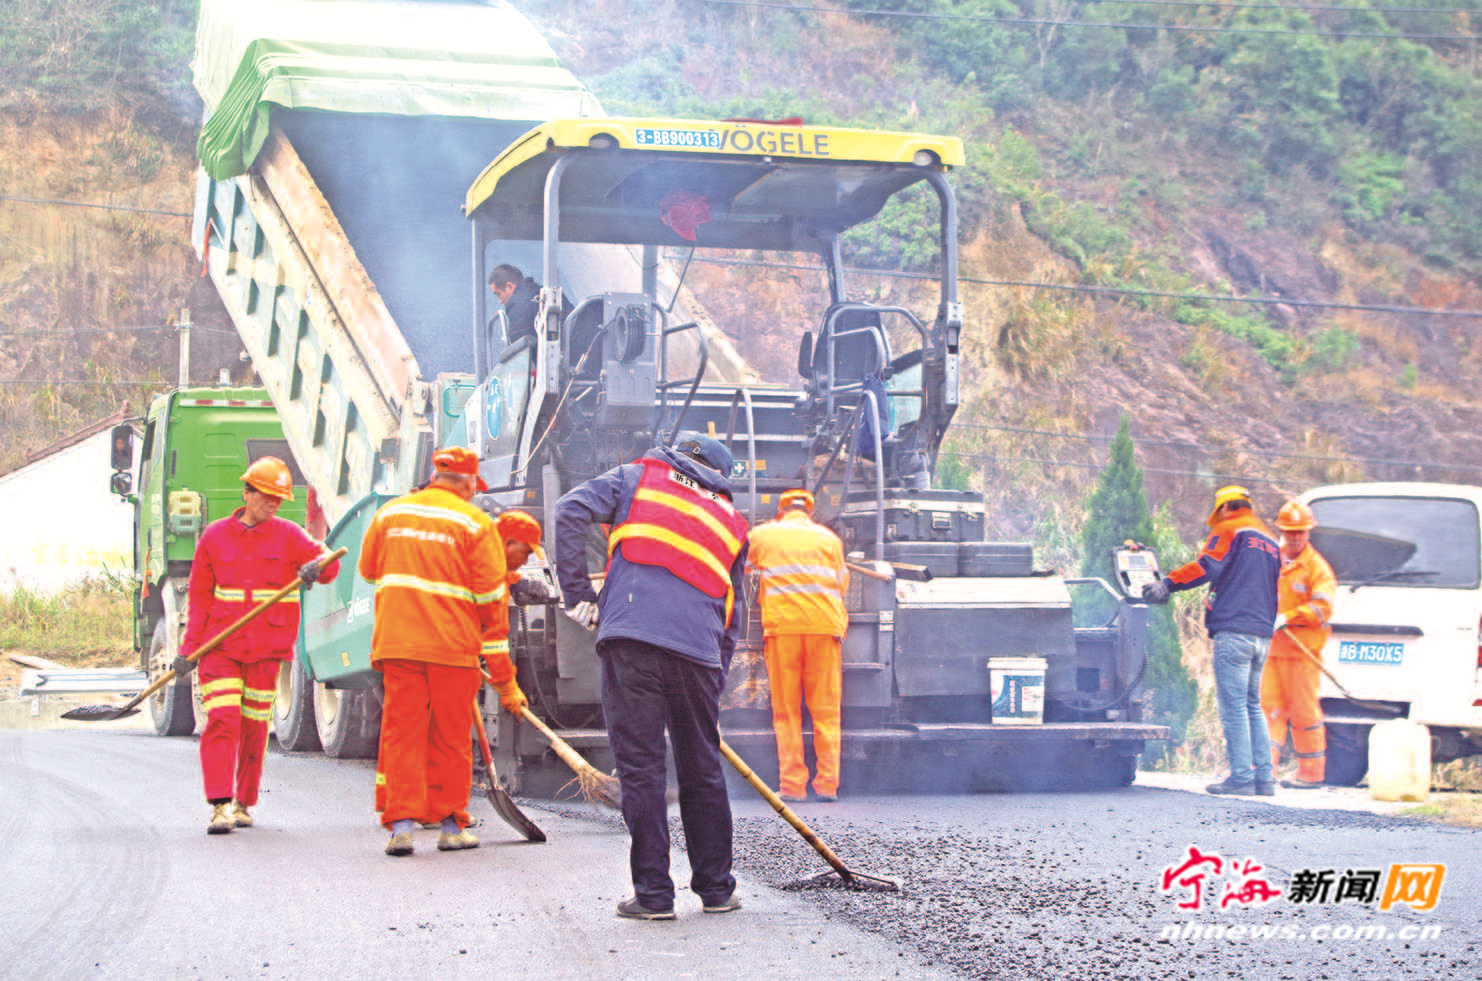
(1324, 161)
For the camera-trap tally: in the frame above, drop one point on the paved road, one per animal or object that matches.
(107, 874)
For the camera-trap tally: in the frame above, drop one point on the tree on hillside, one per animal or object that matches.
(1117, 510)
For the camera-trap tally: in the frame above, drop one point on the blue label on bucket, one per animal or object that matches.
(1017, 696)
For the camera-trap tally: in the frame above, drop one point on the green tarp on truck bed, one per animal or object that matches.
(390, 57)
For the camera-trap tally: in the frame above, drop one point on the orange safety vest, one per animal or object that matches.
(676, 523)
(1305, 594)
(437, 563)
(803, 576)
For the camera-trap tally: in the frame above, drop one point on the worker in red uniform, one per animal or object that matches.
(240, 561)
(803, 580)
(1291, 680)
(440, 575)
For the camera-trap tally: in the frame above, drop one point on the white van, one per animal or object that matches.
(1407, 620)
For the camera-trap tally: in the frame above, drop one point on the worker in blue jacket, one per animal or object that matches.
(667, 620)
(1241, 562)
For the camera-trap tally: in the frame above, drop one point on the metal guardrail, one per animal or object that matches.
(83, 681)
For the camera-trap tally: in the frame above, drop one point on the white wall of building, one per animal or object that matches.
(59, 523)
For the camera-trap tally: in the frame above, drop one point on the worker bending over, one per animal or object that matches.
(667, 620)
(1290, 683)
(803, 580)
(240, 561)
(441, 585)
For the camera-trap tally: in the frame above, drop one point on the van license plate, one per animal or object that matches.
(1370, 652)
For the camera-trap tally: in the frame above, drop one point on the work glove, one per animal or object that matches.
(530, 592)
(584, 613)
(308, 573)
(511, 699)
(1155, 591)
(183, 666)
(1280, 622)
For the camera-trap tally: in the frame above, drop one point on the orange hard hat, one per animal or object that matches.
(792, 497)
(459, 460)
(1295, 516)
(270, 475)
(517, 526)
(1224, 496)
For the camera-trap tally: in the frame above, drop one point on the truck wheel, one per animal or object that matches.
(293, 709)
(1348, 754)
(339, 717)
(169, 708)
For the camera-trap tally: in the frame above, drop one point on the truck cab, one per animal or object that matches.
(195, 445)
(1407, 620)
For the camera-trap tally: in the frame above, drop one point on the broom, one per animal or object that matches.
(596, 787)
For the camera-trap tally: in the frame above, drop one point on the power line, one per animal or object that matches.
(24, 199)
(1116, 290)
(1289, 6)
(73, 381)
(1196, 447)
(1044, 22)
(62, 333)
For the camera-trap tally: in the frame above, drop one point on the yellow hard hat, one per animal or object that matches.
(797, 496)
(270, 475)
(1295, 516)
(1224, 496)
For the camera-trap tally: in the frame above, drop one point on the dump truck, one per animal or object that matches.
(1406, 636)
(372, 366)
(196, 444)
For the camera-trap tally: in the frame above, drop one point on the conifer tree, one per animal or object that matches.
(1117, 510)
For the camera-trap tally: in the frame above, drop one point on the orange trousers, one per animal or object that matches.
(806, 666)
(238, 699)
(1289, 699)
(424, 770)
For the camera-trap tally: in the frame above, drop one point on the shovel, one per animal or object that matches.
(854, 880)
(109, 713)
(1307, 652)
(504, 804)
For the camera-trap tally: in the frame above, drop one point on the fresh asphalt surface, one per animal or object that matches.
(107, 873)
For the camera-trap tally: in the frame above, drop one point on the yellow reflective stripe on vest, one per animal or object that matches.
(699, 514)
(432, 586)
(658, 533)
(240, 595)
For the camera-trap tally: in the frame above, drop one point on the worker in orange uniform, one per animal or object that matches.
(241, 560)
(1289, 686)
(803, 580)
(520, 534)
(440, 575)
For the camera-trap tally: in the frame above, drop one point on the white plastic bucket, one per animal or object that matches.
(1399, 760)
(1016, 687)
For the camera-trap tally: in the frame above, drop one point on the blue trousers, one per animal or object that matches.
(645, 691)
(1238, 660)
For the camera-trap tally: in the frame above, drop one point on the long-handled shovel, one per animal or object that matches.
(854, 880)
(596, 786)
(108, 713)
(1307, 652)
(504, 804)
